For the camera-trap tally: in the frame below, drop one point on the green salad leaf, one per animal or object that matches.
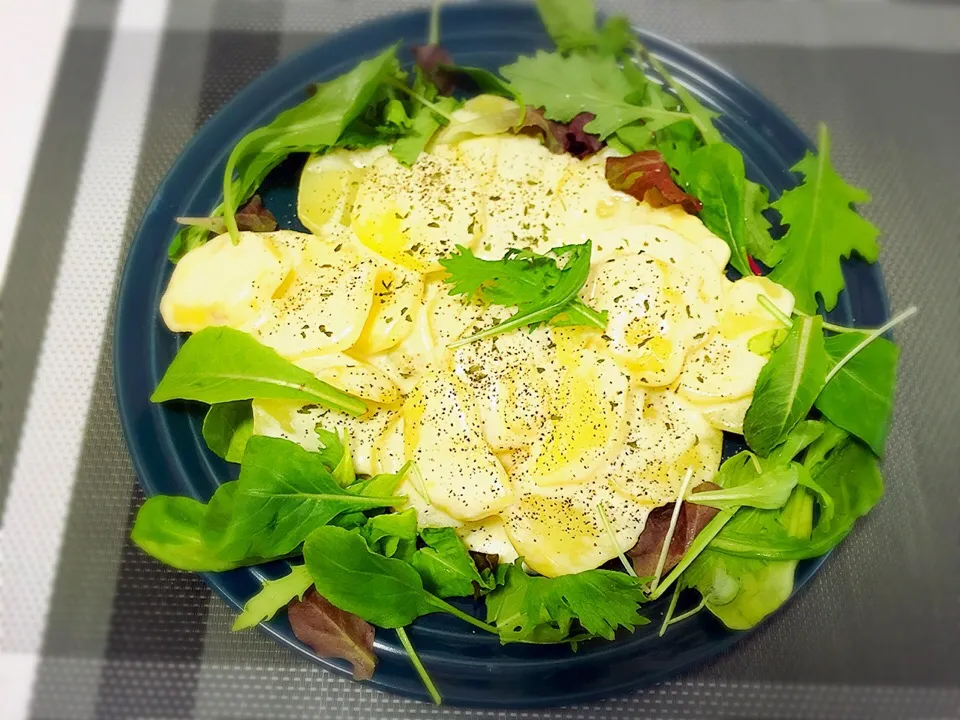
(537, 285)
(787, 386)
(566, 86)
(445, 566)
(283, 493)
(571, 24)
(314, 124)
(392, 534)
(847, 476)
(227, 427)
(769, 490)
(740, 591)
(169, 529)
(220, 364)
(822, 228)
(387, 592)
(715, 176)
(273, 597)
(532, 609)
(859, 398)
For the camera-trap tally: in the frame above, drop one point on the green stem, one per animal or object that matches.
(867, 340)
(613, 540)
(665, 550)
(433, 36)
(670, 609)
(422, 100)
(698, 546)
(689, 613)
(578, 309)
(456, 612)
(421, 670)
(768, 305)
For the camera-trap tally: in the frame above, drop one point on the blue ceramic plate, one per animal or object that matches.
(170, 456)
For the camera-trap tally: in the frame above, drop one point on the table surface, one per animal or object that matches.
(92, 628)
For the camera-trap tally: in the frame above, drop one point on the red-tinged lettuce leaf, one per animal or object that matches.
(562, 137)
(645, 555)
(429, 58)
(644, 171)
(333, 633)
(252, 216)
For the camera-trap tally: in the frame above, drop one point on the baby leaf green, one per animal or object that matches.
(715, 176)
(823, 227)
(273, 597)
(740, 591)
(859, 398)
(284, 493)
(227, 427)
(169, 529)
(787, 386)
(220, 364)
(445, 566)
(312, 125)
(392, 534)
(383, 591)
(568, 86)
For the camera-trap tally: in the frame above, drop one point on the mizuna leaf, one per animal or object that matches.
(568, 86)
(822, 228)
(333, 633)
(274, 597)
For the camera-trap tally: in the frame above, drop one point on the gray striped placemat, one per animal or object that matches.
(91, 628)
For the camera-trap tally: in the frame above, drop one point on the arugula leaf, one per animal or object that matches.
(757, 239)
(331, 632)
(715, 175)
(379, 485)
(535, 284)
(571, 24)
(168, 529)
(384, 591)
(424, 126)
(392, 534)
(859, 398)
(227, 427)
(822, 229)
(283, 493)
(543, 610)
(445, 565)
(220, 364)
(273, 597)
(332, 450)
(568, 86)
(312, 125)
(484, 81)
(787, 386)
